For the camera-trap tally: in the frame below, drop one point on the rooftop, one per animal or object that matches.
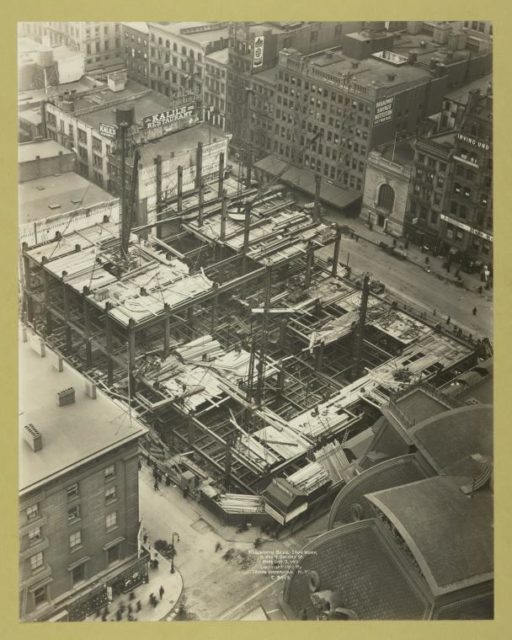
(137, 26)
(72, 434)
(44, 149)
(181, 140)
(200, 32)
(461, 94)
(146, 104)
(390, 473)
(449, 533)
(369, 72)
(455, 435)
(360, 562)
(33, 97)
(401, 153)
(268, 74)
(58, 194)
(220, 56)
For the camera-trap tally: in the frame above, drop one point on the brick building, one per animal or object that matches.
(215, 87)
(177, 53)
(359, 103)
(467, 215)
(100, 42)
(78, 491)
(427, 195)
(135, 39)
(253, 53)
(43, 159)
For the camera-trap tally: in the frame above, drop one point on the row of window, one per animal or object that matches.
(190, 53)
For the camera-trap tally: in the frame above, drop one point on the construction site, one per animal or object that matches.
(254, 361)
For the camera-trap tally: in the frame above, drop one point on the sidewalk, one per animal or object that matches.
(470, 281)
(161, 577)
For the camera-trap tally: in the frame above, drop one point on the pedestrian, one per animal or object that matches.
(435, 312)
(218, 547)
(145, 538)
(161, 592)
(480, 289)
(474, 311)
(130, 609)
(139, 605)
(448, 320)
(155, 486)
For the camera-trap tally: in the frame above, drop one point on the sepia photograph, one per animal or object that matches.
(255, 323)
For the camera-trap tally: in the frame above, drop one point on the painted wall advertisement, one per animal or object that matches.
(257, 56)
(383, 110)
(166, 118)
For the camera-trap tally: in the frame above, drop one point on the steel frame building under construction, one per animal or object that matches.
(255, 362)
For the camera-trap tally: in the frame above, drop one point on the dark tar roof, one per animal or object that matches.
(390, 473)
(361, 562)
(449, 533)
(304, 180)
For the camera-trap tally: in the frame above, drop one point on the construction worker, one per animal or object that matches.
(474, 311)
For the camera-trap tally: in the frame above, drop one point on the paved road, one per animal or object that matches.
(212, 586)
(418, 287)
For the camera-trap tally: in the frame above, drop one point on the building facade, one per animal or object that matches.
(135, 38)
(78, 492)
(427, 195)
(467, 228)
(254, 48)
(386, 188)
(177, 54)
(100, 42)
(215, 87)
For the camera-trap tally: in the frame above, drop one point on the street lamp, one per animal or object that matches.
(173, 536)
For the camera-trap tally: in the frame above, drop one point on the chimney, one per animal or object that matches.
(32, 437)
(66, 396)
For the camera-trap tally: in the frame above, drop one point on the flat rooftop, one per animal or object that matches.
(58, 194)
(220, 56)
(33, 97)
(73, 434)
(196, 33)
(45, 149)
(369, 72)
(148, 103)
(137, 26)
(461, 94)
(182, 140)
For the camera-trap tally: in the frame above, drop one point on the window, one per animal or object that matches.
(111, 520)
(72, 491)
(110, 494)
(40, 596)
(110, 472)
(75, 540)
(36, 561)
(74, 513)
(113, 554)
(386, 197)
(78, 573)
(34, 535)
(33, 512)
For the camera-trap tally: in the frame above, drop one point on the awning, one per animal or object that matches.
(304, 179)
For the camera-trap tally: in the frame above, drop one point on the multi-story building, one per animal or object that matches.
(177, 53)
(467, 215)
(100, 42)
(135, 38)
(386, 187)
(215, 87)
(78, 491)
(427, 194)
(254, 50)
(356, 104)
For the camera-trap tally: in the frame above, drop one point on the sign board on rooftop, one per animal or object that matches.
(108, 130)
(168, 117)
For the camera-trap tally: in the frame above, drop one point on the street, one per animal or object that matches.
(212, 585)
(417, 287)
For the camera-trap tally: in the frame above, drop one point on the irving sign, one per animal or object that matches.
(168, 117)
